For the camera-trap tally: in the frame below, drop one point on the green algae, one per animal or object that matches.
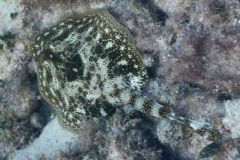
(13, 15)
(210, 150)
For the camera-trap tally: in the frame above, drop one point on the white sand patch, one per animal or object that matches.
(232, 117)
(6, 22)
(52, 140)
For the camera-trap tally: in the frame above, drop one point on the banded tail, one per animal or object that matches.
(147, 105)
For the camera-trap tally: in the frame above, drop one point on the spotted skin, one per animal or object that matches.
(88, 62)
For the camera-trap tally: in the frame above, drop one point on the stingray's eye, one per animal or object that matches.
(74, 69)
(50, 55)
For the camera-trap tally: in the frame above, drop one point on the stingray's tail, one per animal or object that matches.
(147, 105)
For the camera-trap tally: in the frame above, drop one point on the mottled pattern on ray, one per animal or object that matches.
(85, 61)
(87, 65)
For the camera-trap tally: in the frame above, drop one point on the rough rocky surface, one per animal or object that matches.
(191, 50)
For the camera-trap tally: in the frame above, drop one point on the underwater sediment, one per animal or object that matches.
(189, 50)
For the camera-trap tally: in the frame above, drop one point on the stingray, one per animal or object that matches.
(87, 65)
